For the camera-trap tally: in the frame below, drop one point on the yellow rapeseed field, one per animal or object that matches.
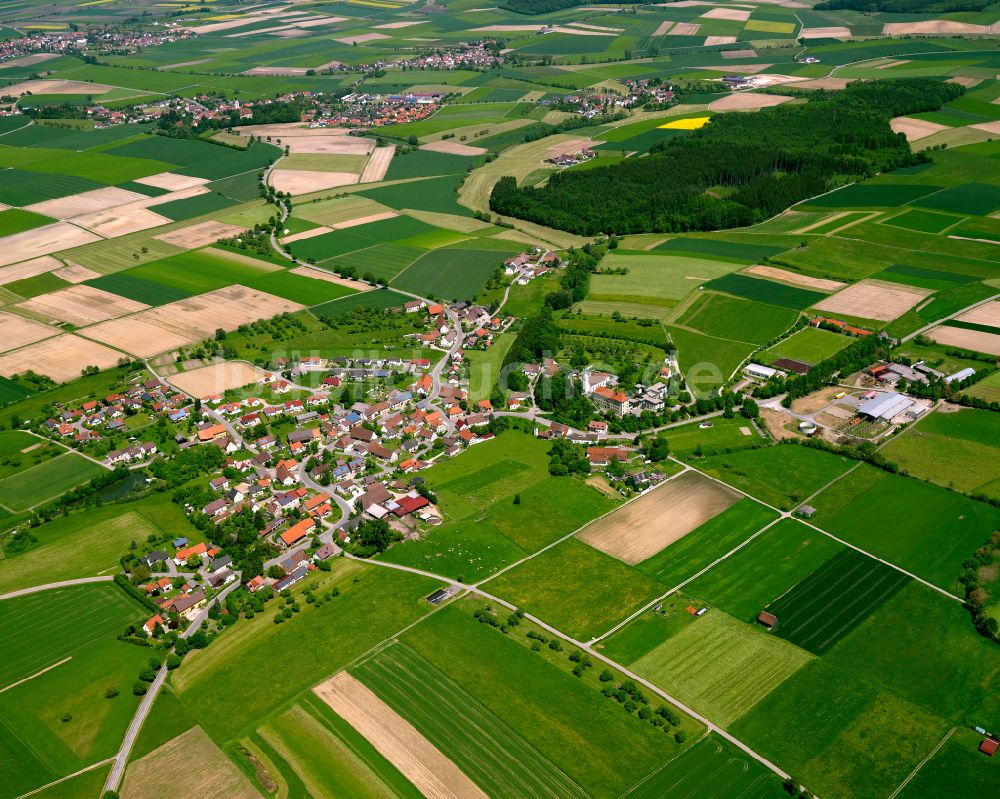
(686, 124)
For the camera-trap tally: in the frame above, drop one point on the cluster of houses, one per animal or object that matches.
(363, 111)
(526, 266)
(572, 159)
(476, 322)
(118, 40)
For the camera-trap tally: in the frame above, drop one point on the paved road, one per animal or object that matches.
(60, 584)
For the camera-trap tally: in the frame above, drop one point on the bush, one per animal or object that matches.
(139, 688)
(111, 693)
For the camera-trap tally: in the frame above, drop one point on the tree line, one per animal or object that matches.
(738, 170)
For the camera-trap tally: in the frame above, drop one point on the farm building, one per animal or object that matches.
(884, 407)
(769, 620)
(960, 375)
(989, 746)
(760, 371)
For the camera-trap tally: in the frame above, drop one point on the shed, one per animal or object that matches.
(989, 746)
(806, 511)
(769, 620)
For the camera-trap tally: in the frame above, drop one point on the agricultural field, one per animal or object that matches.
(217, 195)
(62, 656)
(930, 532)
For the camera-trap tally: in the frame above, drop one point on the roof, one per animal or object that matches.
(297, 531)
(767, 619)
(885, 406)
(989, 746)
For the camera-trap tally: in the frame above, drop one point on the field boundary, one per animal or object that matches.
(922, 763)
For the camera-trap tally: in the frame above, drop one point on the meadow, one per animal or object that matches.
(925, 529)
(810, 345)
(576, 588)
(714, 769)
(958, 450)
(827, 604)
(90, 542)
(766, 473)
(862, 740)
(483, 529)
(766, 291)
(451, 273)
(721, 667)
(70, 632)
(744, 583)
(46, 481)
(373, 604)
(736, 319)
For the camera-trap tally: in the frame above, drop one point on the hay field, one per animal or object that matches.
(199, 235)
(217, 378)
(341, 212)
(915, 129)
(189, 765)
(171, 181)
(80, 306)
(378, 164)
(434, 775)
(60, 357)
(306, 181)
(988, 315)
(86, 202)
(74, 273)
(452, 148)
(796, 278)
(42, 241)
(16, 331)
(746, 101)
(936, 26)
(730, 14)
(327, 277)
(26, 269)
(55, 87)
(190, 320)
(656, 520)
(873, 299)
(121, 221)
(974, 340)
(721, 667)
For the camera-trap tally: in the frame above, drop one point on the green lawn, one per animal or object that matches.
(576, 588)
(484, 367)
(46, 481)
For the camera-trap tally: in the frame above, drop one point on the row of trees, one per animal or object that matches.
(738, 170)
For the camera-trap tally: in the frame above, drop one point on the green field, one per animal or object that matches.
(498, 759)
(373, 604)
(90, 542)
(766, 568)
(721, 667)
(451, 273)
(711, 769)
(535, 695)
(70, 632)
(872, 195)
(825, 606)
(665, 276)
(839, 734)
(959, 450)
(958, 768)
(809, 345)
(925, 529)
(483, 530)
(766, 291)
(576, 588)
(923, 221)
(707, 362)
(369, 300)
(971, 199)
(737, 319)
(48, 480)
(782, 476)
(15, 220)
(987, 389)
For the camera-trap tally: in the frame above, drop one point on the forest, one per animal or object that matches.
(544, 6)
(737, 170)
(905, 6)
